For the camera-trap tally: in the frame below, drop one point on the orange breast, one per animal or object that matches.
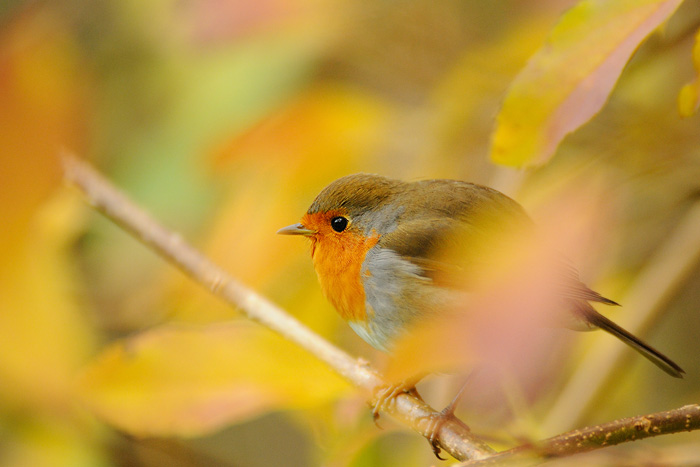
(338, 258)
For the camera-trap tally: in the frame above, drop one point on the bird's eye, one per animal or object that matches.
(339, 223)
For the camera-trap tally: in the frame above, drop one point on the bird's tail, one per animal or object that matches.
(647, 351)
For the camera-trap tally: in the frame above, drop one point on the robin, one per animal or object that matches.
(390, 254)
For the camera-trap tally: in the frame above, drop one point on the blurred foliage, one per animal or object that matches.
(568, 80)
(689, 97)
(225, 118)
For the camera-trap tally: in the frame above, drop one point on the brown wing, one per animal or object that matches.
(449, 236)
(450, 232)
(424, 243)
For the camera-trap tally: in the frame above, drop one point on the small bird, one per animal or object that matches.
(391, 255)
(384, 253)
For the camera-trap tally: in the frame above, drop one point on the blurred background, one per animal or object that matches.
(224, 118)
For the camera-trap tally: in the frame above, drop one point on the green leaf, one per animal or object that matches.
(569, 79)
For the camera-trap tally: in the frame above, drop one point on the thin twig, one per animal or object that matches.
(454, 437)
(624, 430)
(656, 286)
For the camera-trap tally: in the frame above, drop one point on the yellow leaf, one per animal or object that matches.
(51, 441)
(689, 96)
(188, 381)
(569, 79)
(44, 333)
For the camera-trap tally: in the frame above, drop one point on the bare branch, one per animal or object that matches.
(455, 437)
(686, 418)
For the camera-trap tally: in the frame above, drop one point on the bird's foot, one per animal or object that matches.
(437, 420)
(386, 395)
(435, 423)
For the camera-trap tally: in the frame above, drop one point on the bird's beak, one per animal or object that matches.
(296, 229)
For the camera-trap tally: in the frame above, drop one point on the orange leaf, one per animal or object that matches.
(40, 111)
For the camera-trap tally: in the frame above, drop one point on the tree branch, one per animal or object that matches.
(686, 418)
(454, 437)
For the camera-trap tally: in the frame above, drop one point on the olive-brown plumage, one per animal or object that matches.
(389, 254)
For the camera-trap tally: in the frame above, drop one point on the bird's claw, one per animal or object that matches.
(435, 423)
(385, 395)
